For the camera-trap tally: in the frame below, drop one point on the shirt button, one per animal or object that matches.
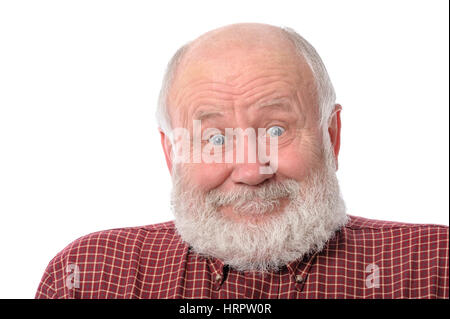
(299, 279)
(218, 277)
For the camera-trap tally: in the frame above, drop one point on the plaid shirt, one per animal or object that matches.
(366, 259)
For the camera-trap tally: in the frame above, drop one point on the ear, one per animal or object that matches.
(334, 129)
(167, 147)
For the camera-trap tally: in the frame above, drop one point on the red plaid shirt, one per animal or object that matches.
(366, 259)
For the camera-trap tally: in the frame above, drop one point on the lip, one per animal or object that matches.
(230, 213)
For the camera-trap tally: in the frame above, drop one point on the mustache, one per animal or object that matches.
(261, 200)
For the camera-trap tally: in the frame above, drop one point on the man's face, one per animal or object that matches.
(232, 210)
(249, 88)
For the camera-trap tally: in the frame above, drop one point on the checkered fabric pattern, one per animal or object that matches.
(366, 259)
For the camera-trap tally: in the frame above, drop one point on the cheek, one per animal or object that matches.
(296, 161)
(207, 176)
(291, 165)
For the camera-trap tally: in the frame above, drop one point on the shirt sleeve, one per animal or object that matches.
(46, 288)
(443, 261)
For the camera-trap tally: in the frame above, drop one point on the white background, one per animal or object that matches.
(79, 149)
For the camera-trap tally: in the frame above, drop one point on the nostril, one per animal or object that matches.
(264, 182)
(249, 174)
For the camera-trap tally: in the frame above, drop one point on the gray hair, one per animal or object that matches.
(325, 90)
(162, 112)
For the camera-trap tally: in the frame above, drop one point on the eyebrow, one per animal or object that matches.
(202, 115)
(278, 103)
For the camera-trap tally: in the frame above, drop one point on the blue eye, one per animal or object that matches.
(275, 131)
(217, 139)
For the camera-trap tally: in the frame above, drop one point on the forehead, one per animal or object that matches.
(233, 70)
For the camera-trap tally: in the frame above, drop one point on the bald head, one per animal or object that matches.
(226, 53)
(244, 37)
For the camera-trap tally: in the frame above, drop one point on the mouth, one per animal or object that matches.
(255, 211)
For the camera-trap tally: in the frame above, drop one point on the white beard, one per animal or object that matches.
(315, 212)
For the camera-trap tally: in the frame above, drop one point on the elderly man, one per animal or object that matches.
(249, 224)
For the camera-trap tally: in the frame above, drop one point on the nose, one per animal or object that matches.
(251, 169)
(249, 174)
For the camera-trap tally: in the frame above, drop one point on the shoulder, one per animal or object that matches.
(123, 241)
(123, 238)
(357, 225)
(397, 235)
(361, 223)
(409, 260)
(100, 256)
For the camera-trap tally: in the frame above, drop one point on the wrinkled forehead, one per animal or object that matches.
(235, 61)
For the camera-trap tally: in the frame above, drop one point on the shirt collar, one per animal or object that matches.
(298, 269)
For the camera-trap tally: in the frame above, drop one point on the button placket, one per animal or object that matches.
(299, 282)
